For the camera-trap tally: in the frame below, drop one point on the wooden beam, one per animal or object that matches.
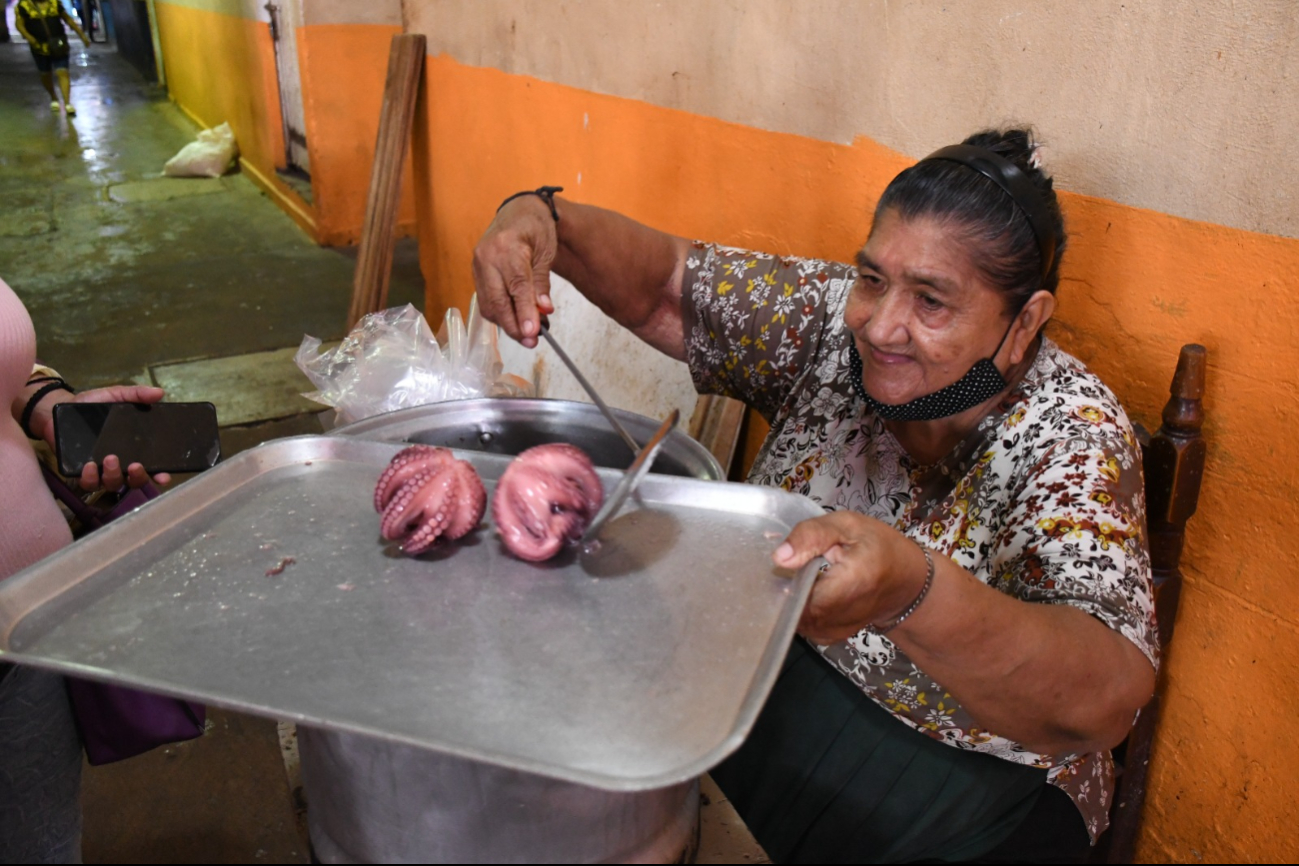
(374, 259)
(715, 424)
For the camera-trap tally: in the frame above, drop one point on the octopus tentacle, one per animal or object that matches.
(408, 463)
(406, 507)
(474, 495)
(434, 501)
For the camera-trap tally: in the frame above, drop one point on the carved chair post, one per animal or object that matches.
(1174, 467)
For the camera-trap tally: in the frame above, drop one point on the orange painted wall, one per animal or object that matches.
(222, 68)
(343, 72)
(1137, 284)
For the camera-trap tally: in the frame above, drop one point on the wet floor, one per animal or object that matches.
(122, 269)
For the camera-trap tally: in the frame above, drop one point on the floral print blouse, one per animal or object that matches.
(1043, 501)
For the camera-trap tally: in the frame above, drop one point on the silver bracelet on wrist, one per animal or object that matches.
(884, 628)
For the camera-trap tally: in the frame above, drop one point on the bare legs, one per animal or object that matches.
(65, 86)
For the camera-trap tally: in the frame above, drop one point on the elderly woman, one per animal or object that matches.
(983, 631)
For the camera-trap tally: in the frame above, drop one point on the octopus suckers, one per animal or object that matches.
(426, 494)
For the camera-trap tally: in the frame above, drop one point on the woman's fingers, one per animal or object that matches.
(503, 274)
(544, 304)
(816, 537)
(90, 476)
(110, 476)
(136, 476)
(121, 394)
(144, 394)
(843, 599)
(523, 296)
(494, 300)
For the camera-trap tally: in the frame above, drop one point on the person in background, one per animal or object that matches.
(86, 10)
(40, 751)
(41, 23)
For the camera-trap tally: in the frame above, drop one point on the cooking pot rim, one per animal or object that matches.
(679, 443)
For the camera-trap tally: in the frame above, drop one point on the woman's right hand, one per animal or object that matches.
(512, 264)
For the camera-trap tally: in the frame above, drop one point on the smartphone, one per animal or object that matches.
(162, 437)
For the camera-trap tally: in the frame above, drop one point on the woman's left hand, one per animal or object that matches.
(112, 476)
(875, 573)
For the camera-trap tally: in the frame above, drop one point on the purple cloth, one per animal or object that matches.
(117, 722)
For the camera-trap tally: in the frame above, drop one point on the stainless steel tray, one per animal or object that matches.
(635, 666)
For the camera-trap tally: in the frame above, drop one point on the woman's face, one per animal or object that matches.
(921, 312)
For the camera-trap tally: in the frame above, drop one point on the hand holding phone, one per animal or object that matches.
(162, 437)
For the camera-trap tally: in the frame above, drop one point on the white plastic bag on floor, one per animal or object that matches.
(391, 360)
(210, 156)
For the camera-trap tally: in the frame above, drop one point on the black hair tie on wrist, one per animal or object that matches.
(48, 388)
(545, 193)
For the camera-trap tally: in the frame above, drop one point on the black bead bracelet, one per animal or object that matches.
(30, 408)
(545, 193)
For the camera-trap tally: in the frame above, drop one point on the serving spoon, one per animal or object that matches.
(632, 477)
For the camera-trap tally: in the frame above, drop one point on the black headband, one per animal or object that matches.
(1021, 190)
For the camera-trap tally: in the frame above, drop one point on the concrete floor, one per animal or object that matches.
(204, 287)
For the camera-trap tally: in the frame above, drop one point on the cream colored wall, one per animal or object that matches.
(1153, 103)
(383, 12)
(627, 373)
(386, 12)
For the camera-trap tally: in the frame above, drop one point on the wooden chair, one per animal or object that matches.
(1174, 465)
(716, 424)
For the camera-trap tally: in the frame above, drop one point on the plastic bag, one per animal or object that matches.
(210, 156)
(391, 360)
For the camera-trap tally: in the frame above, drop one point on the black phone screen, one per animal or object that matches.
(163, 437)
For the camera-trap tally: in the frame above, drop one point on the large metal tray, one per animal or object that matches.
(635, 666)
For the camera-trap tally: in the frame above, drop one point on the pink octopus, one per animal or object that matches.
(545, 499)
(426, 494)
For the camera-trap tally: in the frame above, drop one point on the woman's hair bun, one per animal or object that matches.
(1019, 145)
(1002, 242)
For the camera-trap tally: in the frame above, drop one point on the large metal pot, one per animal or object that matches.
(370, 800)
(509, 426)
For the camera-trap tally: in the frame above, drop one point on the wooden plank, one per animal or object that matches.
(715, 424)
(374, 259)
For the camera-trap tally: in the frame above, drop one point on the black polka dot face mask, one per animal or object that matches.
(983, 382)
